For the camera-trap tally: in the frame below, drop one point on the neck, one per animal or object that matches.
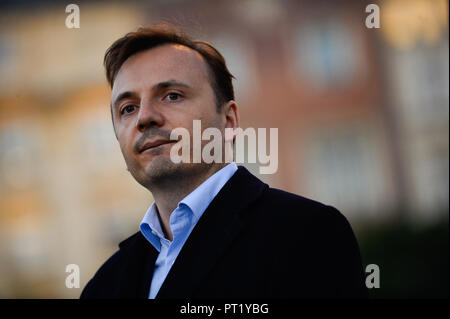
(167, 195)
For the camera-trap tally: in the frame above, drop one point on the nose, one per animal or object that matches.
(149, 116)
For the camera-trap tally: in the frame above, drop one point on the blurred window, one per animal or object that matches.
(19, 156)
(431, 173)
(8, 61)
(343, 169)
(98, 148)
(238, 57)
(327, 54)
(422, 78)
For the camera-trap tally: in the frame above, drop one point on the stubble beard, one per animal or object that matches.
(163, 174)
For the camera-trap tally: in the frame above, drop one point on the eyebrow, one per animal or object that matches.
(155, 88)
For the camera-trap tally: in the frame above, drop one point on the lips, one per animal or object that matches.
(150, 145)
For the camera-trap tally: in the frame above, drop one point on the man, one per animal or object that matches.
(214, 230)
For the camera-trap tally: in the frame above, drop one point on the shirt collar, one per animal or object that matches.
(202, 196)
(151, 227)
(197, 201)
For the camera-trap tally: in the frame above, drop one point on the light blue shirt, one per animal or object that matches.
(182, 221)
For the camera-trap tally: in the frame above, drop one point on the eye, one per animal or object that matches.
(127, 109)
(172, 96)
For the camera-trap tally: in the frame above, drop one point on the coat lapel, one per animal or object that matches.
(140, 261)
(214, 232)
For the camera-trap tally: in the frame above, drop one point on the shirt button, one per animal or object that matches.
(153, 232)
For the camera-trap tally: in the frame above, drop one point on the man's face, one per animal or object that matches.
(154, 92)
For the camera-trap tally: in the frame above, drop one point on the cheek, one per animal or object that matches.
(180, 119)
(126, 145)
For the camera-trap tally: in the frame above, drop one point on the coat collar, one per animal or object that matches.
(214, 232)
(140, 257)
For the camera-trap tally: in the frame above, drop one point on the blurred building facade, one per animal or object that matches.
(362, 118)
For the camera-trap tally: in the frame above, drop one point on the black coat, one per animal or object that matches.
(252, 241)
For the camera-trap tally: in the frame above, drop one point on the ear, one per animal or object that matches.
(230, 110)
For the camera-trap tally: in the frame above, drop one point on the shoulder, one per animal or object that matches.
(276, 205)
(301, 218)
(313, 231)
(105, 281)
(294, 206)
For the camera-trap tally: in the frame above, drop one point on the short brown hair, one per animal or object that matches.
(146, 38)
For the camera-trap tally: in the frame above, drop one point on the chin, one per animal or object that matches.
(161, 168)
(159, 165)
(161, 171)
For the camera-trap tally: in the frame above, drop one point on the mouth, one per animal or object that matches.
(154, 144)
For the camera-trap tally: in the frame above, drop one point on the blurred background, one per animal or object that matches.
(362, 117)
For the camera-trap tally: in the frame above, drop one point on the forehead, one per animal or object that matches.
(166, 62)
